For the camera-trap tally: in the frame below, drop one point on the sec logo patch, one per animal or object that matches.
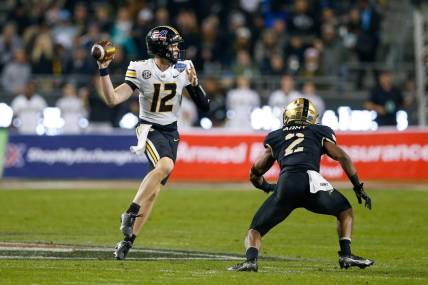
(147, 74)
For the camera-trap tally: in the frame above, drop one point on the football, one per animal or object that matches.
(103, 51)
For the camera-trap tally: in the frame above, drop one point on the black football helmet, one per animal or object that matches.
(159, 39)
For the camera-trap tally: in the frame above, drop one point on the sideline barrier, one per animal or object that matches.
(3, 143)
(209, 156)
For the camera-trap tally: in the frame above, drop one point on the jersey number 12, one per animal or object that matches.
(170, 89)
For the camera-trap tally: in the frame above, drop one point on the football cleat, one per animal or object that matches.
(346, 261)
(245, 266)
(122, 249)
(127, 221)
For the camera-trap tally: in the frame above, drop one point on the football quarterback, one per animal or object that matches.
(159, 82)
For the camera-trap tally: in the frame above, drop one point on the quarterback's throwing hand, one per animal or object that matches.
(191, 75)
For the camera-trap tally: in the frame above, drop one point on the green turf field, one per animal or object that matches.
(193, 235)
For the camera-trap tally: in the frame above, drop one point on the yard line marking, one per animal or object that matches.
(13, 250)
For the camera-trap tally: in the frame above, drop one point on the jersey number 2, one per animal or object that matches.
(293, 147)
(169, 88)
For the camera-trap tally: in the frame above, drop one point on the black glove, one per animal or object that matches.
(265, 186)
(362, 195)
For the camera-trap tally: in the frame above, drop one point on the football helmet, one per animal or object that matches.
(159, 41)
(300, 110)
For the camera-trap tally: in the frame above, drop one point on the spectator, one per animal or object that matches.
(368, 37)
(140, 30)
(81, 65)
(309, 92)
(211, 48)
(333, 52)
(161, 17)
(80, 17)
(16, 73)
(386, 100)
(103, 18)
(294, 53)
(9, 42)
(265, 46)
(243, 65)
(311, 67)
(64, 32)
(121, 32)
(302, 22)
(188, 27)
(276, 65)
(42, 52)
(281, 97)
(240, 103)
(72, 109)
(28, 108)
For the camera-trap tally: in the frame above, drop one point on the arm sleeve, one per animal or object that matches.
(198, 95)
(131, 77)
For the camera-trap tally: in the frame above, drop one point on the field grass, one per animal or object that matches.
(302, 250)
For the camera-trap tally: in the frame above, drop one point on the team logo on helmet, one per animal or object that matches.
(159, 35)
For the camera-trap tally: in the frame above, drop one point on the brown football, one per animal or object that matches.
(103, 51)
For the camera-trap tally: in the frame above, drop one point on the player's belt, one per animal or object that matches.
(166, 128)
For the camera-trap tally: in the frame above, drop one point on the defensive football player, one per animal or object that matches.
(298, 148)
(159, 82)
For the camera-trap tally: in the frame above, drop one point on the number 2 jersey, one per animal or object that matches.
(159, 91)
(299, 147)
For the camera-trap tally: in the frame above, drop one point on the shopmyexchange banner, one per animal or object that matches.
(73, 156)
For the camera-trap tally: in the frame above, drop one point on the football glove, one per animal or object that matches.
(265, 186)
(362, 195)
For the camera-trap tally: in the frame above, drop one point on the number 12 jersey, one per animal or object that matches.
(159, 91)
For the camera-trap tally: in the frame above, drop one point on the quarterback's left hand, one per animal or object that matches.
(191, 75)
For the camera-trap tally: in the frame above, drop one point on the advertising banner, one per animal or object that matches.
(377, 155)
(209, 156)
(73, 156)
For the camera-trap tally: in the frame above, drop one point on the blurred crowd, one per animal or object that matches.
(234, 39)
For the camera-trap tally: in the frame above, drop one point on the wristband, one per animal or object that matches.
(354, 180)
(103, 71)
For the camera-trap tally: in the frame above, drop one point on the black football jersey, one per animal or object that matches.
(299, 147)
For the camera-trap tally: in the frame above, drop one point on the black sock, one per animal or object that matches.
(252, 254)
(133, 209)
(345, 246)
(131, 239)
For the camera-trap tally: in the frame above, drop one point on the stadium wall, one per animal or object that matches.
(208, 156)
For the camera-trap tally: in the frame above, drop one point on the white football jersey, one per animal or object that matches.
(159, 91)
